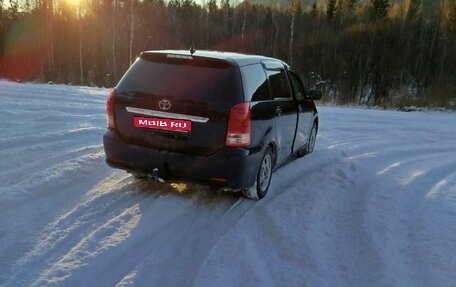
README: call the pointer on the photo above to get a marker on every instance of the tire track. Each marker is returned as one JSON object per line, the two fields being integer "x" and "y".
{"x": 201, "y": 218}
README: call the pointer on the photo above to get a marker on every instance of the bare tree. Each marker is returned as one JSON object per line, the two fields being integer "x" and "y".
{"x": 132, "y": 15}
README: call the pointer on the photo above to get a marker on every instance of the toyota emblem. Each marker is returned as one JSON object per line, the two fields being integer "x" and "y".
{"x": 164, "y": 104}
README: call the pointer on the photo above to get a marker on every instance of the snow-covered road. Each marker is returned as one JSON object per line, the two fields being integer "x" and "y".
{"x": 374, "y": 205}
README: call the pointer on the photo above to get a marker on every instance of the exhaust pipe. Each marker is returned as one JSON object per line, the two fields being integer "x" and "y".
{"x": 154, "y": 176}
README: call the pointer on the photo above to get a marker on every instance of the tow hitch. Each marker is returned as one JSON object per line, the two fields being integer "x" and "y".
{"x": 154, "y": 176}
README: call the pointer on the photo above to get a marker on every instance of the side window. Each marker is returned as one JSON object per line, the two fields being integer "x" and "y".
{"x": 298, "y": 89}
{"x": 279, "y": 84}
{"x": 255, "y": 83}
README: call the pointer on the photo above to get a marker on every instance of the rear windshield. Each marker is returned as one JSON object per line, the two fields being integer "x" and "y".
{"x": 200, "y": 80}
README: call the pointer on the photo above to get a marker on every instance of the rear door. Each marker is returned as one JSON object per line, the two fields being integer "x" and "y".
{"x": 285, "y": 108}
{"x": 177, "y": 103}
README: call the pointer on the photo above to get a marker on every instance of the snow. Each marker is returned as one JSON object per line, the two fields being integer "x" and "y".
{"x": 374, "y": 205}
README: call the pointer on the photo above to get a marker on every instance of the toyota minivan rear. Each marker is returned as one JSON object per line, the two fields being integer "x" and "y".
{"x": 183, "y": 116}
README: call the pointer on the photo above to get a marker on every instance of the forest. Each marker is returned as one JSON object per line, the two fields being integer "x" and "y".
{"x": 374, "y": 52}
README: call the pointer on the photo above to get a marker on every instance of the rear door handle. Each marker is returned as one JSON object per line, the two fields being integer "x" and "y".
{"x": 278, "y": 110}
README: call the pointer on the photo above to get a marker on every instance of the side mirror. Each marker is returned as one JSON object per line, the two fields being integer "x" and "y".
{"x": 314, "y": 95}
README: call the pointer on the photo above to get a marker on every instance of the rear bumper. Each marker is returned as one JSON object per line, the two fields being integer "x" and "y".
{"x": 233, "y": 168}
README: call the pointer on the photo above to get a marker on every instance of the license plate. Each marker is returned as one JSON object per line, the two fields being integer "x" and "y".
{"x": 163, "y": 124}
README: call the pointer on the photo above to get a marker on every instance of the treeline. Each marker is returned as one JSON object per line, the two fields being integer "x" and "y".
{"x": 364, "y": 52}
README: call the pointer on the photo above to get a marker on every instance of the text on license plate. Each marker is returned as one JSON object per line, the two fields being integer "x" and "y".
{"x": 163, "y": 124}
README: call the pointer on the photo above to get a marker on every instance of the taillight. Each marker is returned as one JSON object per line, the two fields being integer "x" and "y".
{"x": 110, "y": 109}
{"x": 239, "y": 126}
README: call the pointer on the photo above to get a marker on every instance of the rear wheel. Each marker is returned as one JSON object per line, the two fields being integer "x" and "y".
{"x": 263, "y": 178}
{"x": 310, "y": 143}
{"x": 312, "y": 139}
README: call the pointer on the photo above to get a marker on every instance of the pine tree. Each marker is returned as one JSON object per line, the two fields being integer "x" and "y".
{"x": 451, "y": 22}
{"x": 379, "y": 9}
{"x": 346, "y": 7}
{"x": 413, "y": 10}
{"x": 331, "y": 9}
{"x": 313, "y": 11}
{"x": 212, "y": 7}
{"x": 351, "y": 5}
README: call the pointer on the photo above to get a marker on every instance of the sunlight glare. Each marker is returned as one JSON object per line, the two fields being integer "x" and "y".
{"x": 73, "y": 3}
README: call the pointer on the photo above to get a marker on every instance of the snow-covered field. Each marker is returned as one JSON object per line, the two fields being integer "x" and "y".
{"x": 374, "y": 205}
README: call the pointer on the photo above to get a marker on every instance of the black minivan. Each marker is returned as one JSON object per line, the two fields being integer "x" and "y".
{"x": 221, "y": 119}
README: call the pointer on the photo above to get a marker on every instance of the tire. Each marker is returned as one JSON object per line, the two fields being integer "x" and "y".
{"x": 263, "y": 177}
{"x": 312, "y": 139}
{"x": 310, "y": 142}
